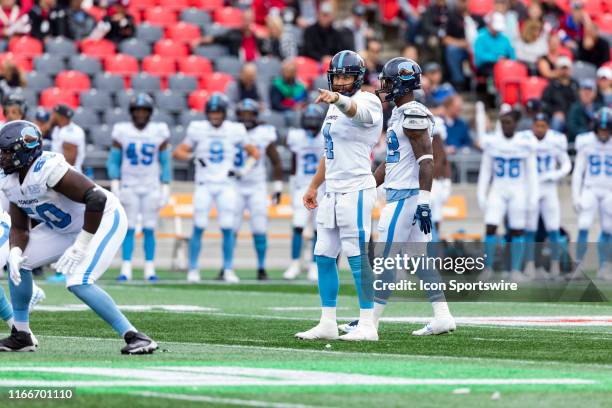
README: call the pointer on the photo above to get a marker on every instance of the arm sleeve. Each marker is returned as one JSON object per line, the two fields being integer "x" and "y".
{"x": 565, "y": 165}
{"x": 57, "y": 173}
{"x": 369, "y": 111}
{"x": 191, "y": 135}
{"x": 578, "y": 176}
{"x": 484, "y": 177}
{"x": 533, "y": 183}
{"x": 165, "y": 162}
{"x": 113, "y": 163}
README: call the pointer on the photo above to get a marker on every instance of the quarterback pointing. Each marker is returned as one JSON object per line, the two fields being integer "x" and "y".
{"x": 350, "y": 130}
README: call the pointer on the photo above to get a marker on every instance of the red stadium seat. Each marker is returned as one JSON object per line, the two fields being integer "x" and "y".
{"x": 506, "y": 70}
{"x": 195, "y": 65}
{"x": 563, "y": 5}
{"x": 121, "y": 64}
{"x": 26, "y": 46}
{"x": 21, "y": 61}
{"x": 604, "y": 22}
{"x": 184, "y": 32}
{"x": 606, "y": 6}
{"x": 97, "y": 48}
{"x": 228, "y": 17}
{"x": 593, "y": 7}
{"x": 480, "y": 7}
{"x": 160, "y": 16}
{"x": 143, "y": 4}
{"x": 197, "y": 99}
{"x": 325, "y": 63}
{"x": 216, "y": 82}
{"x": 157, "y": 65}
{"x": 532, "y": 87}
{"x": 97, "y": 12}
{"x": 54, "y": 96}
{"x": 307, "y": 69}
{"x": 390, "y": 10}
{"x": 171, "y": 48}
{"x": 72, "y": 81}
{"x": 207, "y": 5}
{"x": 175, "y": 4}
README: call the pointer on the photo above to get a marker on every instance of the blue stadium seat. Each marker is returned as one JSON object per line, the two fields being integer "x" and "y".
{"x": 61, "y": 46}
{"x": 38, "y": 81}
{"x": 268, "y": 67}
{"x": 116, "y": 115}
{"x": 87, "y": 65}
{"x": 170, "y": 101}
{"x": 196, "y": 16}
{"x": 165, "y": 117}
{"x": 182, "y": 83}
{"x": 145, "y": 82}
{"x": 49, "y": 64}
{"x": 177, "y": 134}
{"x": 98, "y": 100}
{"x": 86, "y": 118}
{"x": 583, "y": 70}
{"x": 122, "y": 99}
{"x": 108, "y": 82}
{"x": 100, "y": 136}
{"x": 275, "y": 119}
{"x": 228, "y": 64}
{"x": 135, "y": 47}
{"x": 30, "y": 95}
{"x": 189, "y": 115}
{"x": 212, "y": 51}
{"x": 149, "y": 33}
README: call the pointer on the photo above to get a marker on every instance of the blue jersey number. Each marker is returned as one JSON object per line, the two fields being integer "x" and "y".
{"x": 310, "y": 163}
{"x": 393, "y": 156}
{"x": 239, "y": 159}
{"x": 50, "y": 215}
{"x": 596, "y": 163}
{"x": 216, "y": 152}
{"x": 509, "y": 167}
{"x": 544, "y": 163}
{"x": 144, "y": 157}
{"x": 329, "y": 144}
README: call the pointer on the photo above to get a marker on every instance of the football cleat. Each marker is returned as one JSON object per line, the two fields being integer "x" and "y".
{"x": 152, "y": 279}
{"x": 348, "y": 327}
{"x": 313, "y": 272}
{"x": 365, "y": 331}
{"x": 126, "y": 272}
{"x": 18, "y": 341}
{"x": 437, "y": 326}
{"x": 555, "y": 270}
{"x": 38, "y": 295}
{"x": 293, "y": 271}
{"x": 149, "y": 272}
{"x": 230, "y": 276}
{"x": 138, "y": 343}
{"x": 34, "y": 339}
{"x": 326, "y": 329}
{"x": 262, "y": 275}
{"x": 605, "y": 272}
{"x": 56, "y": 278}
{"x": 193, "y": 276}
{"x": 530, "y": 270}
{"x": 519, "y": 277}
{"x": 485, "y": 275}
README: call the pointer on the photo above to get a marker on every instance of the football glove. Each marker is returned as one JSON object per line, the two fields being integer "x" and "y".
{"x": 276, "y": 195}
{"x": 15, "y": 260}
{"x": 423, "y": 216}
{"x": 73, "y": 256}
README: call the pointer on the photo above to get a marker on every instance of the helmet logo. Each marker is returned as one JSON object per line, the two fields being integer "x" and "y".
{"x": 30, "y": 137}
{"x": 405, "y": 71}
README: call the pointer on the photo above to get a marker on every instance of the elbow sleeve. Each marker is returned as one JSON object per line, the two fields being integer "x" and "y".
{"x": 95, "y": 200}
{"x": 165, "y": 162}
{"x": 113, "y": 163}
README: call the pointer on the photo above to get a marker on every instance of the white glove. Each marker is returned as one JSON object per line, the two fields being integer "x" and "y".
{"x": 74, "y": 255}
{"x": 482, "y": 203}
{"x": 115, "y": 187}
{"x": 15, "y": 260}
{"x": 164, "y": 196}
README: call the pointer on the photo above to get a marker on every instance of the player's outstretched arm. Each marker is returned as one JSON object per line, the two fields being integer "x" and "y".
{"x": 565, "y": 166}
{"x": 19, "y": 236}
{"x": 484, "y": 179}
{"x": 310, "y": 198}
{"x": 578, "y": 178}
{"x": 183, "y": 152}
{"x": 533, "y": 184}
{"x": 423, "y": 153}
{"x": 379, "y": 173}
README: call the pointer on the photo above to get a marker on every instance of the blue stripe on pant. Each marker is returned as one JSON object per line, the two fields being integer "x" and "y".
{"x": 102, "y": 247}
{"x": 359, "y": 264}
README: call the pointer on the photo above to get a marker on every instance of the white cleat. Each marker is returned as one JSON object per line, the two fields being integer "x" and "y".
{"x": 348, "y": 327}
{"x": 326, "y": 329}
{"x": 437, "y": 326}
{"x": 530, "y": 271}
{"x": 365, "y": 331}
{"x": 313, "y": 272}
{"x": 193, "y": 276}
{"x": 230, "y": 276}
{"x": 34, "y": 339}
{"x": 542, "y": 275}
{"x": 605, "y": 272}
{"x": 149, "y": 272}
{"x": 126, "y": 272}
{"x": 293, "y": 271}
{"x": 485, "y": 275}
{"x": 38, "y": 295}
{"x": 518, "y": 277}
{"x": 555, "y": 270}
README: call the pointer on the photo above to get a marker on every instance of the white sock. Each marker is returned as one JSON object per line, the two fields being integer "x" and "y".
{"x": 328, "y": 313}
{"x": 149, "y": 269}
{"x": 440, "y": 309}
{"x": 379, "y": 308}
{"x": 366, "y": 315}
{"x": 10, "y": 322}
{"x": 22, "y": 326}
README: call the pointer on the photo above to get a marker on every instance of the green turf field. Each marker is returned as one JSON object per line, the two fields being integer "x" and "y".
{"x": 226, "y": 345}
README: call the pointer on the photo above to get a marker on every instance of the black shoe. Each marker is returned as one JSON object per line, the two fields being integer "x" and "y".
{"x": 220, "y": 277}
{"x": 138, "y": 343}
{"x": 17, "y": 341}
{"x": 261, "y": 274}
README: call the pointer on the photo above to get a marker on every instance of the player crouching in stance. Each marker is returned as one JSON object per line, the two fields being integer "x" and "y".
{"x": 306, "y": 145}
{"x": 81, "y": 226}
{"x": 138, "y": 161}
{"x": 553, "y": 164}
{"x": 351, "y": 129}
{"x": 252, "y": 192}
{"x": 212, "y": 143}
{"x": 507, "y": 185}
{"x": 592, "y": 189}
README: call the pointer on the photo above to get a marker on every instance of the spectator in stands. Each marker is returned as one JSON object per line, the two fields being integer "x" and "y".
{"x": 560, "y": 94}
{"x": 262, "y": 9}
{"x": 322, "y": 39}
{"x": 77, "y": 24}
{"x": 355, "y": 30}
{"x": 411, "y": 18}
{"x": 581, "y": 113}
{"x": 246, "y": 86}
{"x": 458, "y": 131}
{"x": 573, "y": 25}
{"x": 14, "y": 20}
{"x": 533, "y": 106}
{"x": 491, "y": 45}
{"x": 552, "y": 13}
{"x": 439, "y": 90}
{"x": 533, "y": 41}
{"x": 456, "y": 45}
{"x": 432, "y": 29}
{"x": 11, "y": 77}
{"x": 411, "y": 52}
{"x": 519, "y": 8}
{"x": 44, "y": 19}
{"x": 119, "y": 21}
{"x": 41, "y": 118}
{"x": 374, "y": 64}
{"x": 604, "y": 86}
{"x": 278, "y": 43}
{"x": 287, "y": 92}
{"x": 547, "y": 63}
{"x": 593, "y": 48}
{"x": 511, "y": 29}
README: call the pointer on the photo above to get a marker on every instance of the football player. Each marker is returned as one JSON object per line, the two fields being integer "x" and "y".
{"x": 592, "y": 189}
{"x": 441, "y": 184}
{"x": 306, "y": 145}
{"x": 80, "y": 225}
{"x": 252, "y": 184}
{"x": 553, "y": 164}
{"x": 140, "y": 171}
{"x": 212, "y": 143}
{"x": 350, "y": 130}
{"x": 67, "y": 138}
{"x": 507, "y": 185}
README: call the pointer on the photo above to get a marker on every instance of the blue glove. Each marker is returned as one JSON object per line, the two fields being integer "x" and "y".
{"x": 423, "y": 216}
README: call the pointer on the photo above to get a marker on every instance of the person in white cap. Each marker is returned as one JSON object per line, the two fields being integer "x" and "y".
{"x": 604, "y": 85}
{"x": 560, "y": 93}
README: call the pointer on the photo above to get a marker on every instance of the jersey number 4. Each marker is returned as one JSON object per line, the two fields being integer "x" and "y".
{"x": 50, "y": 215}
{"x": 329, "y": 144}
{"x": 144, "y": 157}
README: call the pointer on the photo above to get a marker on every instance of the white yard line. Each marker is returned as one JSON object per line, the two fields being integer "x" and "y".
{"x": 216, "y": 400}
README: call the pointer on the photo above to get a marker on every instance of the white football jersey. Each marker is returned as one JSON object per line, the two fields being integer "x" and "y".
{"x": 598, "y": 160}
{"x": 41, "y": 202}
{"x": 261, "y": 137}
{"x": 214, "y": 149}
{"x": 509, "y": 158}
{"x": 348, "y": 146}
{"x": 140, "y": 152}
{"x": 73, "y": 134}
{"x": 549, "y": 151}
{"x": 440, "y": 128}
{"x": 401, "y": 169}
{"x": 308, "y": 151}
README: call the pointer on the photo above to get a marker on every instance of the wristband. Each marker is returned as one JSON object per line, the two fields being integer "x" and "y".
{"x": 424, "y": 197}
{"x": 15, "y": 251}
{"x": 343, "y": 103}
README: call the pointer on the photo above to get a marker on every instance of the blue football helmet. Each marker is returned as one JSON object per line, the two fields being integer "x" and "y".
{"x": 141, "y": 101}
{"x": 603, "y": 119}
{"x": 312, "y": 118}
{"x": 216, "y": 103}
{"x": 399, "y": 77}
{"x": 247, "y": 112}
{"x": 346, "y": 63}
{"x": 20, "y": 145}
